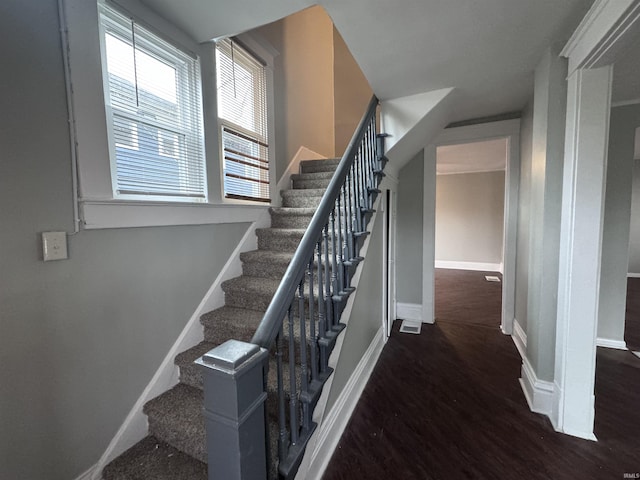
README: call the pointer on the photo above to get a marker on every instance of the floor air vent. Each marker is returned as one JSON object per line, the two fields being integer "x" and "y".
{"x": 411, "y": 326}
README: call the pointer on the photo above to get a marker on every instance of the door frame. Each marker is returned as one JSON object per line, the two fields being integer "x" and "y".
{"x": 510, "y": 130}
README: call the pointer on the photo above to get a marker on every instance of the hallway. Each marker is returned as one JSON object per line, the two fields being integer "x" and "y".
{"x": 447, "y": 405}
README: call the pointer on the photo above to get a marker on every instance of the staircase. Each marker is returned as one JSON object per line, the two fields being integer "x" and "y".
{"x": 176, "y": 446}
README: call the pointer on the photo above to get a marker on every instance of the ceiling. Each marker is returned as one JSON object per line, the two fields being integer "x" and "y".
{"x": 487, "y": 156}
{"x": 486, "y": 49}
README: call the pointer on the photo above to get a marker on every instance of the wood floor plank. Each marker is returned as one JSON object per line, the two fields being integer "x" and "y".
{"x": 447, "y": 404}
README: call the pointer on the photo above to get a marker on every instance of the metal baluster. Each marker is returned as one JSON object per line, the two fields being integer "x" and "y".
{"x": 282, "y": 423}
{"x": 334, "y": 267}
{"x": 327, "y": 281}
{"x": 312, "y": 321}
{"x": 347, "y": 235}
{"x": 322, "y": 321}
{"x": 304, "y": 380}
{"x": 293, "y": 390}
{"x": 358, "y": 192}
{"x": 350, "y": 186}
{"x": 341, "y": 285}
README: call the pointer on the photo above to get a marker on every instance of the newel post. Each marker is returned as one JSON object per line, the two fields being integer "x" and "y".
{"x": 234, "y": 396}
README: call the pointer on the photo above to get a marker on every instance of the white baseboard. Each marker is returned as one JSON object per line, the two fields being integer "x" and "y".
{"x": 89, "y": 474}
{"x": 134, "y": 427}
{"x": 476, "y": 266}
{"x": 409, "y": 311}
{"x": 609, "y": 343}
{"x": 284, "y": 183}
{"x": 519, "y": 337}
{"x": 539, "y": 393}
{"x": 336, "y": 420}
{"x": 633, "y": 275}
{"x": 637, "y": 354}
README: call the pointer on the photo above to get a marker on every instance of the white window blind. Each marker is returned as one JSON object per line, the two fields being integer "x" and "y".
{"x": 154, "y": 112}
{"x": 242, "y": 112}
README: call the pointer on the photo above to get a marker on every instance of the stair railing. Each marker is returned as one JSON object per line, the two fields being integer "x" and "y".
{"x": 308, "y": 304}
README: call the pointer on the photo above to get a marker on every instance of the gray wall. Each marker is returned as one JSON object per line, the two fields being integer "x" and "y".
{"x": 617, "y": 215}
{"x": 545, "y": 197}
{"x": 80, "y": 338}
{"x": 470, "y": 217}
{"x": 522, "y": 248}
{"x": 634, "y": 234}
{"x": 366, "y": 316}
{"x": 409, "y": 232}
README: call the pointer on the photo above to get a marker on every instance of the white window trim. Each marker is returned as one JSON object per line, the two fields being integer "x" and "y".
{"x": 97, "y": 205}
{"x": 259, "y": 47}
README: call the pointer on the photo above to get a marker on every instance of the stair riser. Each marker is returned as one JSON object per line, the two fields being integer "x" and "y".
{"x": 311, "y": 168}
{"x": 300, "y": 201}
{"x": 278, "y": 243}
{"x": 316, "y": 183}
{"x": 190, "y": 442}
{"x": 290, "y": 221}
{"x": 252, "y": 301}
{"x": 264, "y": 270}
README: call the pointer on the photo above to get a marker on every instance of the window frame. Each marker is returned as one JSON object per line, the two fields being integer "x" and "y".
{"x": 188, "y": 83}
{"x": 94, "y": 194}
{"x": 265, "y": 54}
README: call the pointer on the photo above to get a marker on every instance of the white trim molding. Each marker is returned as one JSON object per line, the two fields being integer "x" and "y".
{"x": 610, "y": 343}
{"x": 475, "y": 266}
{"x": 92, "y": 474}
{"x": 519, "y": 337}
{"x": 633, "y": 275}
{"x": 336, "y": 420}
{"x": 539, "y": 393}
{"x": 409, "y": 311}
{"x": 607, "y": 28}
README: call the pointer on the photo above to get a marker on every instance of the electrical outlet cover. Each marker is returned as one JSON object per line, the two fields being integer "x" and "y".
{"x": 54, "y": 246}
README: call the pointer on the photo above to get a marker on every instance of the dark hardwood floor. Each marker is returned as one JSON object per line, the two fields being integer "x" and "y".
{"x": 447, "y": 404}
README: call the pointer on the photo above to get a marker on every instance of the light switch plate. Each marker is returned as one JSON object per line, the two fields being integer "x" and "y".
{"x": 54, "y": 246}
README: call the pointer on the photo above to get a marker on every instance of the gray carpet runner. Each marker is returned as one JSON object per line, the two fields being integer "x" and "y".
{"x": 175, "y": 447}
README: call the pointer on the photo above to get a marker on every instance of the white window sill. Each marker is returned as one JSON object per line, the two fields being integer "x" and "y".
{"x": 98, "y": 214}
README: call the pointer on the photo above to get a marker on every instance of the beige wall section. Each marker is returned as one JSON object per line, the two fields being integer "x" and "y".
{"x": 352, "y": 93}
{"x": 320, "y": 91}
{"x": 470, "y": 217}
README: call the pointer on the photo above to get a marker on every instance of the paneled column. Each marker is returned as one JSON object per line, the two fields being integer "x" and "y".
{"x": 588, "y": 109}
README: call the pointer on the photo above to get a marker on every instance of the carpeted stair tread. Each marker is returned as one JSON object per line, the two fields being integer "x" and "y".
{"x": 324, "y": 165}
{"x": 153, "y": 459}
{"x": 291, "y": 217}
{"x": 176, "y": 418}
{"x": 280, "y": 239}
{"x": 228, "y": 322}
{"x": 302, "y": 198}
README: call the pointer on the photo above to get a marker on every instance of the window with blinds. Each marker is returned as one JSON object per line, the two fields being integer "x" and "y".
{"x": 242, "y": 112}
{"x": 154, "y": 112}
